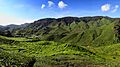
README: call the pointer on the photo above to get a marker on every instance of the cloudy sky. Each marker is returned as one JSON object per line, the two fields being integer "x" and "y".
{"x": 23, "y": 11}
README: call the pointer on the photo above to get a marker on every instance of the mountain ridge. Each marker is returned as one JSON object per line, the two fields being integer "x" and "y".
{"x": 59, "y": 18}
{"x": 83, "y": 30}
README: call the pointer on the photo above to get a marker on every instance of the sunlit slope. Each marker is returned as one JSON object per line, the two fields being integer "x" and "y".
{"x": 50, "y": 52}
{"x": 97, "y": 33}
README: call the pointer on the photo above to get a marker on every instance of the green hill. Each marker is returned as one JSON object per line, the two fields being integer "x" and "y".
{"x": 86, "y": 31}
{"x": 62, "y": 42}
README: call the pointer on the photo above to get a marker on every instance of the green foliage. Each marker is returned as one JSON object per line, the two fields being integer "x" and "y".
{"x": 50, "y": 53}
{"x": 43, "y": 52}
{"x": 10, "y": 59}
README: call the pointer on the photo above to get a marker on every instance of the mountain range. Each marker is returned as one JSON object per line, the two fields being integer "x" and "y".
{"x": 96, "y": 30}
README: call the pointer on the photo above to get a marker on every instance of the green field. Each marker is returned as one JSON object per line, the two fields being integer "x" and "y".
{"x": 22, "y": 52}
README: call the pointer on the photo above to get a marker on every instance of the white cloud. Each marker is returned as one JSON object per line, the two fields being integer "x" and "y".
{"x": 105, "y": 7}
{"x": 62, "y": 5}
{"x": 50, "y": 3}
{"x": 43, "y": 6}
{"x": 115, "y": 8}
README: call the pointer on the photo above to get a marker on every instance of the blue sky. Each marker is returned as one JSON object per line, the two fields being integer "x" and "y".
{"x": 23, "y": 11}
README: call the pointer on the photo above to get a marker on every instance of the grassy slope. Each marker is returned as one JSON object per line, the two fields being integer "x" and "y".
{"x": 111, "y": 53}
{"x": 94, "y": 33}
{"x": 50, "y": 53}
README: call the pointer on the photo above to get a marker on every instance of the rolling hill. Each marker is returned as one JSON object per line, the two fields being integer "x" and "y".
{"x": 63, "y": 42}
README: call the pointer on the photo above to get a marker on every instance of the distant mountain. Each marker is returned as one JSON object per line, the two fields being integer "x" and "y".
{"x": 13, "y": 26}
{"x": 8, "y": 30}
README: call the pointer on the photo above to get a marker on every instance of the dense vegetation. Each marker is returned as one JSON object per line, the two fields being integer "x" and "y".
{"x": 62, "y": 42}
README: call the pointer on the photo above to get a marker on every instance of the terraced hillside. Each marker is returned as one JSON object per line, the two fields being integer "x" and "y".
{"x": 50, "y": 53}
{"x": 63, "y": 42}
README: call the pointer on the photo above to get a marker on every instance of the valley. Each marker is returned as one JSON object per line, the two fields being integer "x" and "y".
{"x": 62, "y": 42}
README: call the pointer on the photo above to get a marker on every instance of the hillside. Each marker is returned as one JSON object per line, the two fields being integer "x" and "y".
{"x": 87, "y": 31}
{"x": 49, "y": 54}
{"x": 62, "y": 42}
